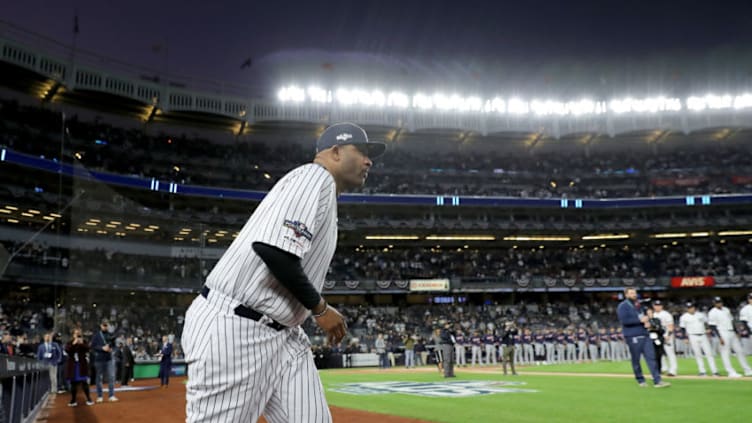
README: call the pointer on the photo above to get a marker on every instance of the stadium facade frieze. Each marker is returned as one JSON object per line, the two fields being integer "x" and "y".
{"x": 168, "y": 95}
{"x": 9, "y": 156}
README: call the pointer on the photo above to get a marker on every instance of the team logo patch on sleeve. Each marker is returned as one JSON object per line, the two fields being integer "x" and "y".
{"x": 298, "y": 228}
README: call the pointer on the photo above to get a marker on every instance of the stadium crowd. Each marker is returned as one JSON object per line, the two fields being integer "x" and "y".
{"x": 713, "y": 169}
{"x": 708, "y": 258}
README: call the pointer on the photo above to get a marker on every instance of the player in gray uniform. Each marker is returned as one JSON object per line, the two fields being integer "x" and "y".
{"x": 603, "y": 336}
{"x": 613, "y": 345}
{"x": 246, "y": 352}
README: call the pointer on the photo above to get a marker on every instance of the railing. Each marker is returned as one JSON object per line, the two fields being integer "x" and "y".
{"x": 25, "y": 387}
{"x": 29, "y": 161}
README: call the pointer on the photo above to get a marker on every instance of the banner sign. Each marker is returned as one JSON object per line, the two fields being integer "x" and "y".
{"x": 429, "y": 285}
{"x": 692, "y": 282}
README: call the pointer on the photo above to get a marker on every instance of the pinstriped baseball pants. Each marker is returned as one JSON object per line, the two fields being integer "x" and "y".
{"x": 239, "y": 369}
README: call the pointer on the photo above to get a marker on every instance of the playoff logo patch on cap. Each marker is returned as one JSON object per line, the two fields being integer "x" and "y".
{"x": 344, "y": 137}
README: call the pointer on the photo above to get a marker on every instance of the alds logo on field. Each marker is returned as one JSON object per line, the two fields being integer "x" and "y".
{"x": 468, "y": 388}
{"x": 298, "y": 228}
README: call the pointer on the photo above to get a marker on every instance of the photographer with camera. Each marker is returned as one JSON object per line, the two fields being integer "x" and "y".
{"x": 669, "y": 348}
{"x": 656, "y": 332}
{"x": 77, "y": 367}
{"x": 102, "y": 343}
{"x": 634, "y": 323}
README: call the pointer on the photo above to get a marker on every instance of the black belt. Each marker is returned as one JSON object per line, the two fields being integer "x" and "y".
{"x": 247, "y": 312}
{"x": 697, "y": 334}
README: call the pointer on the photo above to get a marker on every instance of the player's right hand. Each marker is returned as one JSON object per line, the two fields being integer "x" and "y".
{"x": 333, "y": 324}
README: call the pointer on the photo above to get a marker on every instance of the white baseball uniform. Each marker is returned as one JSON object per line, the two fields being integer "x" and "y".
{"x": 694, "y": 325}
{"x": 722, "y": 320}
{"x": 745, "y": 315}
{"x": 239, "y": 368}
{"x": 667, "y": 321}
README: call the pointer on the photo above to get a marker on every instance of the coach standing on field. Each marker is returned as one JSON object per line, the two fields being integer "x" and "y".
{"x": 634, "y": 327}
{"x": 246, "y": 352}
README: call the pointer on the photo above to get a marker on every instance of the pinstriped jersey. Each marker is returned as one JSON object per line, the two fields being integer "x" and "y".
{"x": 298, "y": 215}
{"x": 746, "y": 314}
{"x": 721, "y": 318}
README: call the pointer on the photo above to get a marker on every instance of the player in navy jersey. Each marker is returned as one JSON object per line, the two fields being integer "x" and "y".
{"x": 459, "y": 349}
{"x": 489, "y": 341}
{"x": 593, "y": 342}
{"x": 475, "y": 342}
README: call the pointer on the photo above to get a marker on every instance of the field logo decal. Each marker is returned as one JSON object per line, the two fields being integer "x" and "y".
{"x": 468, "y": 388}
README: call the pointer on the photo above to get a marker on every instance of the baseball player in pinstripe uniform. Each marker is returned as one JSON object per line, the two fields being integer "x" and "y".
{"x": 745, "y": 317}
{"x": 693, "y": 324}
{"x": 246, "y": 352}
{"x": 721, "y": 322}
{"x": 667, "y": 320}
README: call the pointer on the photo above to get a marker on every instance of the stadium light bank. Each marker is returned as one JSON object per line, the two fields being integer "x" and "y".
{"x": 513, "y": 106}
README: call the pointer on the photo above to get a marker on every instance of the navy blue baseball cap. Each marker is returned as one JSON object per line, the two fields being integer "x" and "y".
{"x": 349, "y": 133}
{"x": 657, "y": 302}
{"x": 690, "y": 304}
{"x": 717, "y": 300}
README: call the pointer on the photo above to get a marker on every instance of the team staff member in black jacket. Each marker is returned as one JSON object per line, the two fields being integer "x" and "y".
{"x": 507, "y": 342}
{"x": 446, "y": 343}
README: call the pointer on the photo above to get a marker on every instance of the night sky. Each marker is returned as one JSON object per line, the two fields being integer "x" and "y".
{"x": 341, "y": 40}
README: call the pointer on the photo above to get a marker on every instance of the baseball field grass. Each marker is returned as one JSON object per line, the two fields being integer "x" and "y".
{"x": 587, "y": 392}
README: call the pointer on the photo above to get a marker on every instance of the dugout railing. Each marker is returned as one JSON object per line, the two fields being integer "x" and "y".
{"x": 25, "y": 388}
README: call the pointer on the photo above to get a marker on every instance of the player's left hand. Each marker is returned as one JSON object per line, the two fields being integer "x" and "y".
{"x": 334, "y": 324}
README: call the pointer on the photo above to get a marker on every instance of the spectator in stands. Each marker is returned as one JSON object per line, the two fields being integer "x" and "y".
{"x": 6, "y": 345}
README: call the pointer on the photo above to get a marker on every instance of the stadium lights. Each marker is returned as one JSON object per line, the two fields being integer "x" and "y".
{"x": 516, "y": 106}
{"x": 461, "y": 238}
{"x": 392, "y": 237}
{"x": 11, "y": 208}
{"x": 699, "y": 234}
{"x": 5, "y": 211}
{"x": 605, "y": 236}
{"x": 734, "y": 233}
{"x": 669, "y": 235}
{"x": 537, "y": 238}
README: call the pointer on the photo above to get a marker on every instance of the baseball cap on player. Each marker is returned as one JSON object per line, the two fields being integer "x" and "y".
{"x": 349, "y": 133}
{"x": 690, "y": 304}
{"x": 657, "y": 302}
{"x": 717, "y": 300}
